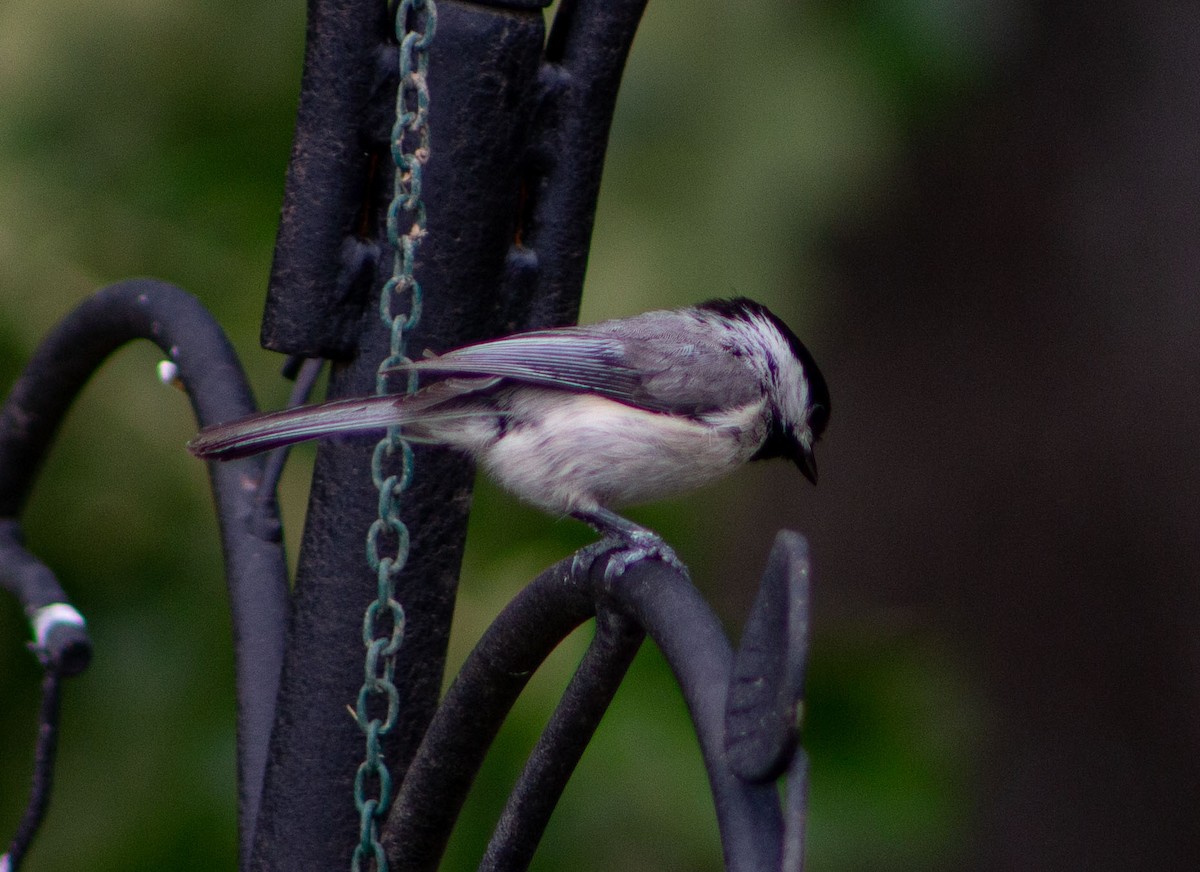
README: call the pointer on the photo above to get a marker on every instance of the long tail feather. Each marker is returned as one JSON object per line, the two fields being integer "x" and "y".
{"x": 275, "y": 429}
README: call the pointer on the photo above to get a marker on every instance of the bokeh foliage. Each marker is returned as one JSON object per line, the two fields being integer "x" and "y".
{"x": 141, "y": 138}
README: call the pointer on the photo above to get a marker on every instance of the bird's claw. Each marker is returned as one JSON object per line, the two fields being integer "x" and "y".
{"x": 625, "y": 551}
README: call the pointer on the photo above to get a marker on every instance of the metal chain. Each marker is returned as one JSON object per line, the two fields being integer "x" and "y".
{"x": 392, "y": 462}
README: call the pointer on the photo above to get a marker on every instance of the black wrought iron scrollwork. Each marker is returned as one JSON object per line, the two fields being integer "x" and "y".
{"x": 520, "y": 152}
{"x": 249, "y": 525}
{"x": 745, "y": 718}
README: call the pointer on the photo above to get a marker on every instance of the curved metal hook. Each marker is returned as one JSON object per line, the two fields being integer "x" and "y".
{"x": 476, "y": 704}
{"x": 250, "y": 530}
{"x": 767, "y": 681}
{"x": 681, "y": 623}
{"x": 745, "y": 719}
{"x": 561, "y": 745}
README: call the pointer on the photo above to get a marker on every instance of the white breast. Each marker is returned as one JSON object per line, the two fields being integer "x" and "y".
{"x": 581, "y": 451}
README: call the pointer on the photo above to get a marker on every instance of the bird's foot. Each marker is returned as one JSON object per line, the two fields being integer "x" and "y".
{"x": 623, "y": 551}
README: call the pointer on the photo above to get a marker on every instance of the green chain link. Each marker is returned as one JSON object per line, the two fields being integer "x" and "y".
{"x": 416, "y": 21}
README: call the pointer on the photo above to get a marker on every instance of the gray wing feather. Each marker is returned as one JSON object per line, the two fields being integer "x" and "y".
{"x": 566, "y": 358}
{"x": 663, "y": 361}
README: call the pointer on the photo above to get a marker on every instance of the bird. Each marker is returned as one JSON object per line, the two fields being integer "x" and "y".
{"x": 583, "y": 420}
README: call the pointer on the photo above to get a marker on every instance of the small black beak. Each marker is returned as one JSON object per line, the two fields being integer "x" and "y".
{"x": 807, "y": 462}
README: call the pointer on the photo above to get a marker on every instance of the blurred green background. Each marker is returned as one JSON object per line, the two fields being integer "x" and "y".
{"x": 148, "y": 138}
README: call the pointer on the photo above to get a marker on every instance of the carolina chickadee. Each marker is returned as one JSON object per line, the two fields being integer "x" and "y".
{"x": 576, "y": 420}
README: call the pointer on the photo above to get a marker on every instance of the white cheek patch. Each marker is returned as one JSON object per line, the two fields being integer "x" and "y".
{"x": 791, "y": 387}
